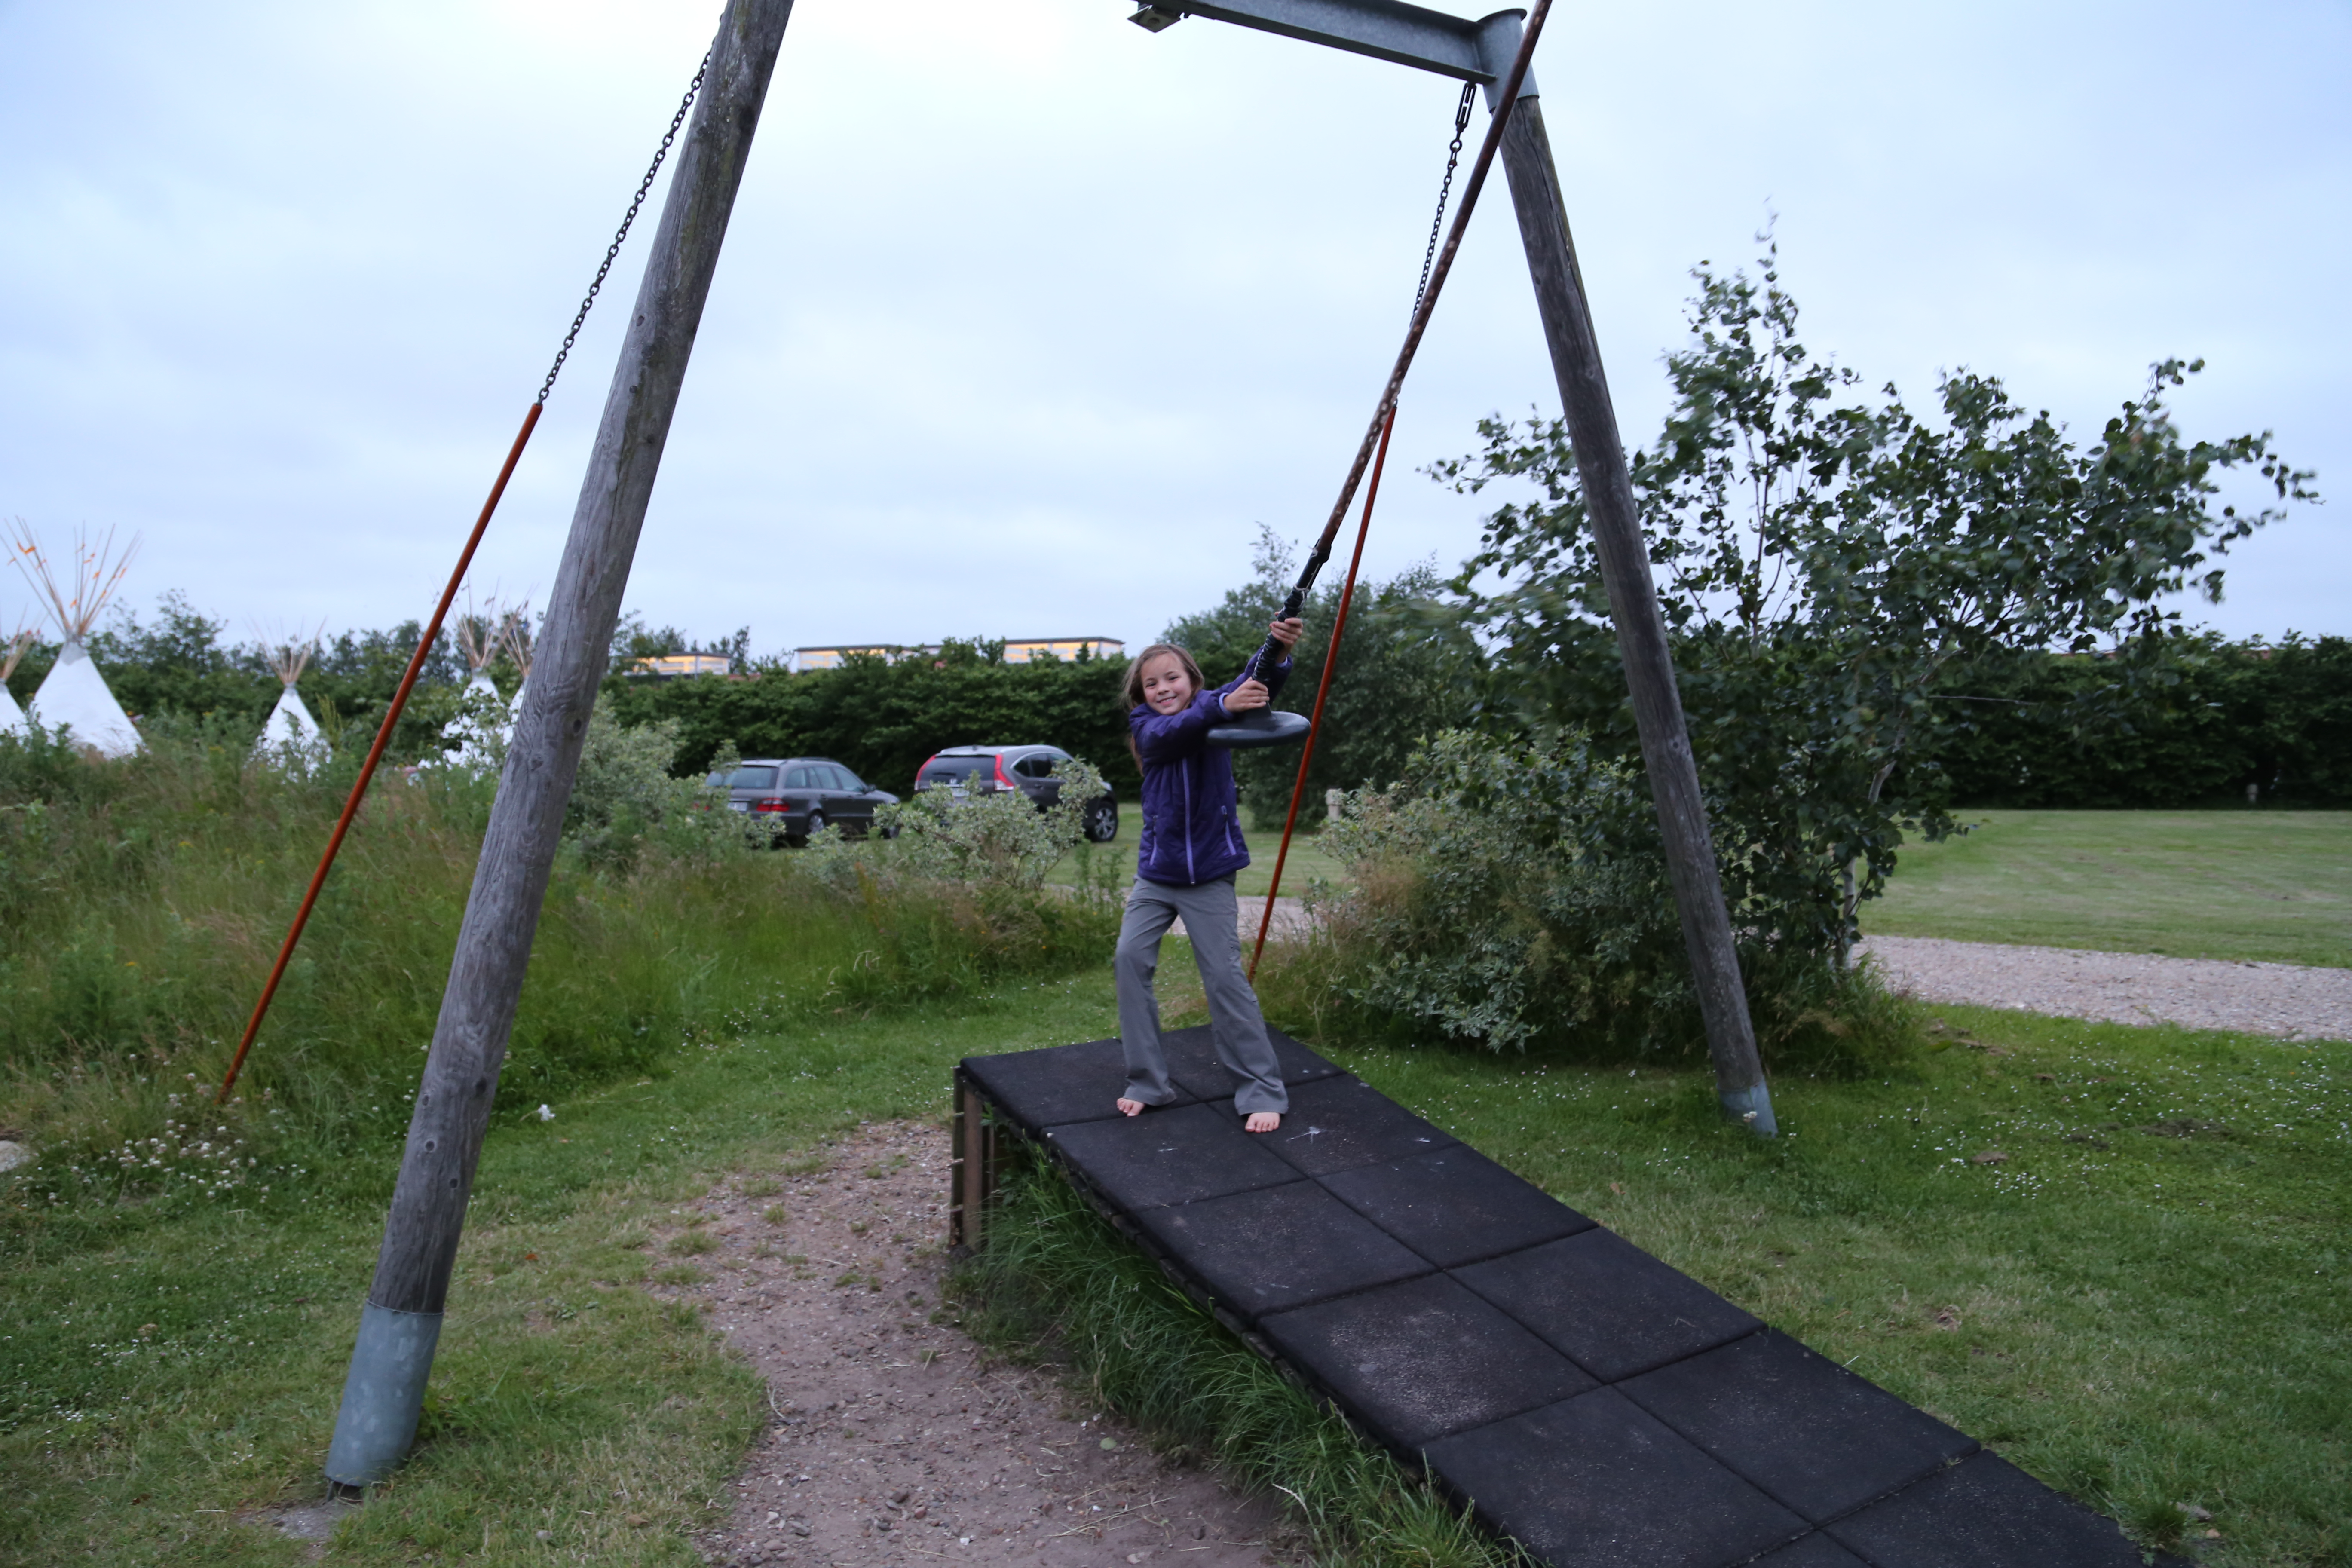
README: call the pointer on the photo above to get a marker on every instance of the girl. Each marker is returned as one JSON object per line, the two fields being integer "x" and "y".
{"x": 1192, "y": 847}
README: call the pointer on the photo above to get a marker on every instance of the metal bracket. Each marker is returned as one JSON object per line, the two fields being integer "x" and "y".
{"x": 1480, "y": 51}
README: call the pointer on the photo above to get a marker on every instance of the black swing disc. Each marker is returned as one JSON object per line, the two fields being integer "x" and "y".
{"x": 1260, "y": 727}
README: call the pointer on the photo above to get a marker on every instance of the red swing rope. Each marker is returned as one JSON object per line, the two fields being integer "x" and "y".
{"x": 1323, "y": 689}
{"x": 399, "y": 704}
{"x": 1384, "y": 424}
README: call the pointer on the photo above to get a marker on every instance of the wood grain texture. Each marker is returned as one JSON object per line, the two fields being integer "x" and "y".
{"x": 486, "y": 976}
{"x": 1632, "y": 596}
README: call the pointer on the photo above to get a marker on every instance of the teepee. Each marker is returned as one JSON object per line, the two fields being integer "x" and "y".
{"x": 477, "y": 737}
{"x": 514, "y": 635}
{"x": 290, "y": 737}
{"x": 12, "y": 718}
{"x": 74, "y": 698}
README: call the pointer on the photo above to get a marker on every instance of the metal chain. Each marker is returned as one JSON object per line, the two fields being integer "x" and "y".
{"x": 1445, "y": 190}
{"x": 614, "y": 249}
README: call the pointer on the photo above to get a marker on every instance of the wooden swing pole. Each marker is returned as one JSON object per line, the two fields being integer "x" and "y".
{"x": 1323, "y": 688}
{"x": 400, "y": 1324}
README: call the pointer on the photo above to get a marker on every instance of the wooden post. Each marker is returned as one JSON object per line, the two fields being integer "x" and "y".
{"x": 1633, "y": 606}
{"x": 971, "y": 1168}
{"x": 402, "y": 1320}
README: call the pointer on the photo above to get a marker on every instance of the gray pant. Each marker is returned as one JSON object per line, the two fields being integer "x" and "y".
{"x": 1238, "y": 1028}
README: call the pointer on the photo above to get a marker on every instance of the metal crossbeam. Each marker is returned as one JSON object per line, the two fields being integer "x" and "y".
{"x": 1415, "y": 36}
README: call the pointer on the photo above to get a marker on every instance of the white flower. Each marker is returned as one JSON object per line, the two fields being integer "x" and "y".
{"x": 547, "y": 1113}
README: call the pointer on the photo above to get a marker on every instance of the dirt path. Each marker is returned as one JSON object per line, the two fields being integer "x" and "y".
{"x": 893, "y": 1438}
{"x": 2299, "y": 1003}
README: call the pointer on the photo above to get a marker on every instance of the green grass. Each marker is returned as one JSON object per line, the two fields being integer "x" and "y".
{"x": 2146, "y": 1301}
{"x": 2145, "y": 1318}
{"x": 563, "y": 1397}
{"x": 2145, "y": 1304}
{"x": 1056, "y": 1279}
{"x": 2272, "y": 885}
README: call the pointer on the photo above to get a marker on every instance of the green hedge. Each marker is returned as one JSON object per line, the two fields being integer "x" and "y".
{"x": 2194, "y": 727}
{"x": 883, "y": 720}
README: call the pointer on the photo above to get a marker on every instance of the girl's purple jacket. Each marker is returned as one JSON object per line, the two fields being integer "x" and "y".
{"x": 1191, "y": 812}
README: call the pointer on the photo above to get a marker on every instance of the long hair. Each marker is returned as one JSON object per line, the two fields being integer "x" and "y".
{"x": 1132, "y": 687}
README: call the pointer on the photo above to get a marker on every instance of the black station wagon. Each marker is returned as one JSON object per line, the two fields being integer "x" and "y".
{"x": 801, "y": 794}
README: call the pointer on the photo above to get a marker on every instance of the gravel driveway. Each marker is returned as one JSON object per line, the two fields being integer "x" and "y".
{"x": 2284, "y": 999}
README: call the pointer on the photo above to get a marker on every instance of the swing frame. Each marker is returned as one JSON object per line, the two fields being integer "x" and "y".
{"x": 400, "y": 1324}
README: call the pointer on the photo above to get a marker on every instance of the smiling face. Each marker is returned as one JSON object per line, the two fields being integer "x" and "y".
{"x": 1167, "y": 685}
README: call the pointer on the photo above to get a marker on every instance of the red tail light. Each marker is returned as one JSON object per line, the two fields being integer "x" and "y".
{"x": 1002, "y": 782}
{"x": 772, "y": 806}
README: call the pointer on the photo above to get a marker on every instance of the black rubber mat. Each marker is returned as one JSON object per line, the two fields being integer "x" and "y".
{"x": 1609, "y": 1306}
{"x": 1423, "y": 1358}
{"x": 1169, "y": 1156}
{"x": 1592, "y": 1402}
{"x": 1598, "y": 1479}
{"x": 1985, "y": 1512}
{"x": 1339, "y": 1123}
{"x": 1814, "y": 1434}
{"x": 1192, "y": 1062}
{"x": 1455, "y": 1205}
{"x": 1814, "y": 1551}
{"x": 1259, "y": 1252}
{"x": 1037, "y": 1089}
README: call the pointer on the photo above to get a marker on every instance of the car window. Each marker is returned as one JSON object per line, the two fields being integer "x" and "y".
{"x": 843, "y": 779}
{"x": 954, "y": 770}
{"x": 749, "y": 778}
{"x": 797, "y": 778}
{"x": 1035, "y": 767}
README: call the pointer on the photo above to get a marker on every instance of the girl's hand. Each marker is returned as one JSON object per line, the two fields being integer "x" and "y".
{"x": 1286, "y": 633}
{"x": 1248, "y": 694}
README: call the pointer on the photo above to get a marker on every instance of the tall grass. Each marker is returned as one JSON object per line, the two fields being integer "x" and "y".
{"x": 143, "y": 901}
{"x": 1056, "y": 1278}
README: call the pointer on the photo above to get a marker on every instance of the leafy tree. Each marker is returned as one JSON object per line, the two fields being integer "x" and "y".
{"x": 177, "y": 663}
{"x": 1404, "y": 674}
{"x": 1833, "y": 569}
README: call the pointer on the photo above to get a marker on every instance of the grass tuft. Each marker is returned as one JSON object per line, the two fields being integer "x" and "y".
{"x": 1056, "y": 1279}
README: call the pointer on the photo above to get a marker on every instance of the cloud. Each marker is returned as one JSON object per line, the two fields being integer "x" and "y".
{"x": 1028, "y": 318}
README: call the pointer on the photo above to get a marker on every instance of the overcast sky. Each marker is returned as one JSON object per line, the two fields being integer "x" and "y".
{"x": 1028, "y": 318}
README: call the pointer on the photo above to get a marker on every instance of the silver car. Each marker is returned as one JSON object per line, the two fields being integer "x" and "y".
{"x": 966, "y": 771}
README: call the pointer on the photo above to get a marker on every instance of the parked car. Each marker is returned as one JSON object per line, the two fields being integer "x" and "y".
{"x": 966, "y": 771}
{"x": 801, "y": 794}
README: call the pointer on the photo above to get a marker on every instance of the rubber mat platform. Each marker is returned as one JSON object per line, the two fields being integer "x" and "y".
{"x": 1592, "y": 1404}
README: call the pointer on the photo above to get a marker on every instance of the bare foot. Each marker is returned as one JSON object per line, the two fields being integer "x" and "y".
{"x": 1130, "y": 1108}
{"x": 1262, "y": 1122}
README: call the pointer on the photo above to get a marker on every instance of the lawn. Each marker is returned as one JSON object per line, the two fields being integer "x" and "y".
{"x": 2143, "y": 1303}
{"x": 162, "y": 1376}
{"x": 2272, "y": 885}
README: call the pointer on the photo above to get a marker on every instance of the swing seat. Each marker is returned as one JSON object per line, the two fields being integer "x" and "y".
{"x": 1260, "y": 727}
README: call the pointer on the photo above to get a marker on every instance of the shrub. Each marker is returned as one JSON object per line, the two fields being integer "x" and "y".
{"x": 1517, "y": 898}
{"x": 883, "y": 719}
{"x": 2193, "y": 723}
{"x": 953, "y": 893}
{"x": 145, "y": 900}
